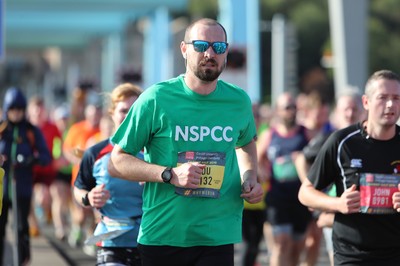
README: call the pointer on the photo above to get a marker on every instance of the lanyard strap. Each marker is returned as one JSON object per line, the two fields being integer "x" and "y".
{"x": 12, "y": 161}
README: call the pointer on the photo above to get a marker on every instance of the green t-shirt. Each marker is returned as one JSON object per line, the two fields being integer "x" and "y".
{"x": 169, "y": 118}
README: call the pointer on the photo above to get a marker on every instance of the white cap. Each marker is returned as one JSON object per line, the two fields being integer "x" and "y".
{"x": 61, "y": 112}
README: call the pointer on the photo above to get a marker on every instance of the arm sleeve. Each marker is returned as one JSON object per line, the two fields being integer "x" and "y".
{"x": 85, "y": 179}
{"x": 313, "y": 147}
{"x": 137, "y": 128}
{"x": 325, "y": 170}
{"x": 249, "y": 132}
{"x": 42, "y": 156}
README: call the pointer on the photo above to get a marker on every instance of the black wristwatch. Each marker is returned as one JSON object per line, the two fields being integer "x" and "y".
{"x": 85, "y": 200}
{"x": 167, "y": 175}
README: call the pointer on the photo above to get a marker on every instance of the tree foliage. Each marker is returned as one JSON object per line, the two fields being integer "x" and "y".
{"x": 203, "y": 8}
{"x": 311, "y": 20}
{"x": 384, "y": 35}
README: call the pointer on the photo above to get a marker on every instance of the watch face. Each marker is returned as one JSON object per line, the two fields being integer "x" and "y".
{"x": 166, "y": 175}
{"x": 85, "y": 200}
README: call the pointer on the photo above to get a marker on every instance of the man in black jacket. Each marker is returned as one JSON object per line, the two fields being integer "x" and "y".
{"x": 22, "y": 145}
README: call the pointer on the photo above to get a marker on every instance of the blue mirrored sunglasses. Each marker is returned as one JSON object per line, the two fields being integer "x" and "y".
{"x": 202, "y": 46}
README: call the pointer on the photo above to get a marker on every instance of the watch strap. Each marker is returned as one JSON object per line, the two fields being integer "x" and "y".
{"x": 85, "y": 200}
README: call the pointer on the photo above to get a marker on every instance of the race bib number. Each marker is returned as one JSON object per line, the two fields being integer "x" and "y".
{"x": 376, "y": 191}
{"x": 284, "y": 169}
{"x": 212, "y": 176}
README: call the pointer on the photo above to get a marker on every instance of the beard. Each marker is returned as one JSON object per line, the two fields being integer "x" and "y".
{"x": 207, "y": 74}
{"x": 290, "y": 122}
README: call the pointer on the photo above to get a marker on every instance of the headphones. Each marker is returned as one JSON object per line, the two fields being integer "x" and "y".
{"x": 364, "y": 132}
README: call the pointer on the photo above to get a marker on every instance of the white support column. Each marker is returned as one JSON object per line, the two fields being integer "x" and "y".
{"x": 72, "y": 78}
{"x": 225, "y": 17}
{"x": 241, "y": 21}
{"x": 157, "y": 48}
{"x": 253, "y": 51}
{"x": 348, "y": 21}
{"x": 278, "y": 57}
{"x": 110, "y": 61}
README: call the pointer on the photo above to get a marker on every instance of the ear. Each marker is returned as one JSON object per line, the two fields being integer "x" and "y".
{"x": 365, "y": 102}
{"x": 183, "y": 49}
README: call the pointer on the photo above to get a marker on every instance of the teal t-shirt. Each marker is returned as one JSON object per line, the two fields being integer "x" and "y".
{"x": 169, "y": 118}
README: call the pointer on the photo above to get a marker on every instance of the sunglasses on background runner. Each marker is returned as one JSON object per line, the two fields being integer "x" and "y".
{"x": 202, "y": 46}
{"x": 290, "y": 107}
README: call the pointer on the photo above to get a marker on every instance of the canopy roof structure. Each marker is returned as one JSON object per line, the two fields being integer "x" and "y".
{"x": 73, "y": 23}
